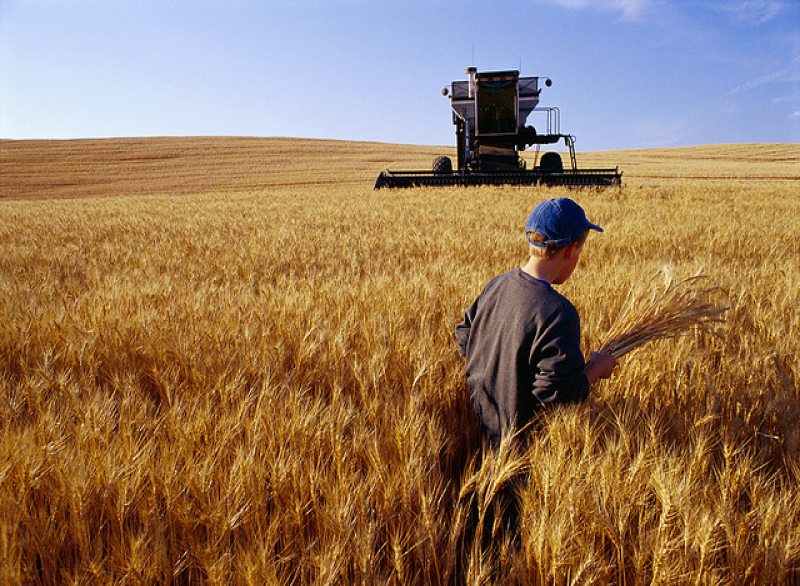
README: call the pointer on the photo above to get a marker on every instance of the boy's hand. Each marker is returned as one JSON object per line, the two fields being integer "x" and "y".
{"x": 600, "y": 365}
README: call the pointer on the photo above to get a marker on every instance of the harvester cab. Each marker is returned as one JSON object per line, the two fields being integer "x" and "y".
{"x": 490, "y": 113}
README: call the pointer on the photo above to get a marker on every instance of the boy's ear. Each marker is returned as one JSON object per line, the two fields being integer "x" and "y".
{"x": 571, "y": 249}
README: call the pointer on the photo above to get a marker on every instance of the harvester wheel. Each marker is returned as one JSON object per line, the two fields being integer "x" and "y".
{"x": 442, "y": 166}
{"x": 551, "y": 163}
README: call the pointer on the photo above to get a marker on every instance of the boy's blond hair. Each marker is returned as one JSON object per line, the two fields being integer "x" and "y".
{"x": 549, "y": 251}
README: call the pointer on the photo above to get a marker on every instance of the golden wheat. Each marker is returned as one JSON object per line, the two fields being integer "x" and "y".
{"x": 258, "y": 383}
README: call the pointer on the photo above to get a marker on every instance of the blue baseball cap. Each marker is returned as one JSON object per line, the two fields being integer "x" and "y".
{"x": 560, "y": 221}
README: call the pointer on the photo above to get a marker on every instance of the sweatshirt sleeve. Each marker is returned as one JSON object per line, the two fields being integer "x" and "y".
{"x": 559, "y": 363}
{"x": 464, "y": 328}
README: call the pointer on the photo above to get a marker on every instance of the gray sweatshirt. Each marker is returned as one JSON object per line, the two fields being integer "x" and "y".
{"x": 521, "y": 340}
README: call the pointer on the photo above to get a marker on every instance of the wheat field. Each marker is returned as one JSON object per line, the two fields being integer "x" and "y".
{"x": 230, "y": 361}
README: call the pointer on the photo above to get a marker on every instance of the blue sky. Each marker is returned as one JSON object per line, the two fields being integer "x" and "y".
{"x": 626, "y": 73}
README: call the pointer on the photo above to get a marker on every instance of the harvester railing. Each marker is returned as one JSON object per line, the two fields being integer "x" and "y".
{"x": 553, "y": 118}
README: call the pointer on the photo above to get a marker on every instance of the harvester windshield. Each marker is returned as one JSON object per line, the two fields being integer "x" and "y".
{"x": 497, "y": 105}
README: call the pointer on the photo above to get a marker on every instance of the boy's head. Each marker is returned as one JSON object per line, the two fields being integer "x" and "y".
{"x": 556, "y": 223}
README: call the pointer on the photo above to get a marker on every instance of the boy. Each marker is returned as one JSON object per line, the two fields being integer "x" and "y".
{"x": 521, "y": 338}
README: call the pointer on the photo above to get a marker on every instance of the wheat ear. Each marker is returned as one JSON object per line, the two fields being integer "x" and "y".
{"x": 670, "y": 313}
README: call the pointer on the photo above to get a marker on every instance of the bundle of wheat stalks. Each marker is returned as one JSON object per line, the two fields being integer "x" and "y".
{"x": 670, "y": 313}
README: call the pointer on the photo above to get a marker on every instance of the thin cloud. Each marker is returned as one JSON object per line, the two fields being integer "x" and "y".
{"x": 659, "y": 132}
{"x": 786, "y": 74}
{"x": 628, "y": 9}
{"x": 784, "y": 99}
{"x": 759, "y": 81}
{"x": 752, "y": 12}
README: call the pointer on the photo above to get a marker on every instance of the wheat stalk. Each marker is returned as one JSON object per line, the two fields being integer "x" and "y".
{"x": 670, "y": 313}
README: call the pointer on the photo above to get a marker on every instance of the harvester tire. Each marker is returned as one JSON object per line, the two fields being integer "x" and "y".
{"x": 551, "y": 163}
{"x": 442, "y": 166}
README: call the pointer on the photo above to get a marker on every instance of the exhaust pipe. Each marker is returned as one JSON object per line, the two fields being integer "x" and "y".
{"x": 471, "y": 71}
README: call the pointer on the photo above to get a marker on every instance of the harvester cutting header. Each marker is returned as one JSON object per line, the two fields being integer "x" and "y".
{"x": 490, "y": 113}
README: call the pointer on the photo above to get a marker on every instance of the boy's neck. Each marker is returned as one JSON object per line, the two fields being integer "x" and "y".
{"x": 539, "y": 268}
{"x": 553, "y": 270}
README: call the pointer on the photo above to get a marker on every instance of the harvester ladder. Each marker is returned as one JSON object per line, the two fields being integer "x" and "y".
{"x": 570, "y": 140}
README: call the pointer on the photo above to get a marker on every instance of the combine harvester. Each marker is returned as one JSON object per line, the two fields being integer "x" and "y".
{"x": 490, "y": 111}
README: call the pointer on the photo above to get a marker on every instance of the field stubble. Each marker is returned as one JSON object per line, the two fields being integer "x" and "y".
{"x": 260, "y": 384}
